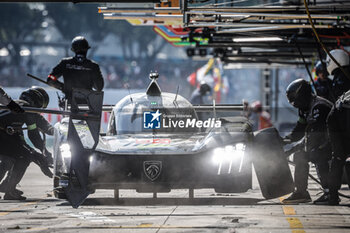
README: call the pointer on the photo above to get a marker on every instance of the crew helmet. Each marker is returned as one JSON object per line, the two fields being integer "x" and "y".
{"x": 42, "y": 91}
{"x": 319, "y": 68}
{"x": 342, "y": 58}
{"x": 204, "y": 88}
{"x": 36, "y": 97}
{"x": 80, "y": 45}
{"x": 299, "y": 93}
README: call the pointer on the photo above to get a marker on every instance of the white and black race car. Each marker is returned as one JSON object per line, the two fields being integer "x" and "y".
{"x": 155, "y": 142}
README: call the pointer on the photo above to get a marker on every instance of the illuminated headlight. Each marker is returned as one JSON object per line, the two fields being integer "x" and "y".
{"x": 218, "y": 155}
{"x": 228, "y": 153}
{"x": 65, "y": 150}
{"x": 240, "y": 146}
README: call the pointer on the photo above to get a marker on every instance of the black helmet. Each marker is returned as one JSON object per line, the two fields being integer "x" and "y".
{"x": 299, "y": 93}
{"x": 204, "y": 88}
{"x": 319, "y": 68}
{"x": 35, "y": 97}
{"x": 80, "y": 45}
{"x": 46, "y": 98}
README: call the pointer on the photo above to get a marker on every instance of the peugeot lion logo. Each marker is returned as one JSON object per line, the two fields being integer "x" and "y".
{"x": 152, "y": 169}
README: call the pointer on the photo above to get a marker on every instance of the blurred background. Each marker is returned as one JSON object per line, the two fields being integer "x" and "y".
{"x": 35, "y": 36}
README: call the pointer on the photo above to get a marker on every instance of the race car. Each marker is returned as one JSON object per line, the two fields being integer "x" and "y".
{"x": 155, "y": 142}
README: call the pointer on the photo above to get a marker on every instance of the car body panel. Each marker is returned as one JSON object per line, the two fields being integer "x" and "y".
{"x": 130, "y": 155}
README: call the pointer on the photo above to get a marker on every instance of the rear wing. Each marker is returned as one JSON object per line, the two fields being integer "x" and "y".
{"x": 197, "y": 108}
{"x": 109, "y": 108}
{"x": 218, "y": 107}
{"x": 82, "y": 107}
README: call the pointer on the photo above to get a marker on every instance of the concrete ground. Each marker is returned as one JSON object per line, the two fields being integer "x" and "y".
{"x": 171, "y": 212}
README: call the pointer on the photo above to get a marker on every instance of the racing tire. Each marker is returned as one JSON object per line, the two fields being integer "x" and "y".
{"x": 271, "y": 165}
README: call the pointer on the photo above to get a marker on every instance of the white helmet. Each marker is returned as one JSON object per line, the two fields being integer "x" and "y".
{"x": 342, "y": 58}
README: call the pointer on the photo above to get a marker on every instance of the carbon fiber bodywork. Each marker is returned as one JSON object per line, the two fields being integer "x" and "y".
{"x": 155, "y": 142}
{"x": 177, "y": 171}
{"x": 186, "y": 161}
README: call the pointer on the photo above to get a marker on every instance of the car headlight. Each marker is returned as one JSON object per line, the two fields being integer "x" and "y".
{"x": 228, "y": 153}
{"x": 65, "y": 150}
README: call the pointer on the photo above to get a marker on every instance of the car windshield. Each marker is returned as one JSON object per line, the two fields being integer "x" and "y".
{"x": 133, "y": 119}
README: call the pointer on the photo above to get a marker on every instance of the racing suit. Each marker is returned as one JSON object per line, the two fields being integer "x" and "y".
{"x": 77, "y": 72}
{"x": 338, "y": 123}
{"x": 315, "y": 147}
{"x": 196, "y": 98}
{"x": 340, "y": 83}
{"x": 264, "y": 120}
{"x": 16, "y": 149}
{"x": 323, "y": 87}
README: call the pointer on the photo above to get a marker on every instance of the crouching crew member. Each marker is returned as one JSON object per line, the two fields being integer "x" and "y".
{"x": 16, "y": 149}
{"x": 77, "y": 71}
{"x": 338, "y": 123}
{"x": 315, "y": 147}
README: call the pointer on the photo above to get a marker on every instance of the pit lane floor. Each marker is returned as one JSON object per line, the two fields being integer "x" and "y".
{"x": 170, "y": 212}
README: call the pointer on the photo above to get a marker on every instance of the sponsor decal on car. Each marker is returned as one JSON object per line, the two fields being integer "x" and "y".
{"x": 153, "y": 141}
{"x": 151, "y": 120}
{"x": 156, "y": 120}
{"x": 192, "y": 123}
